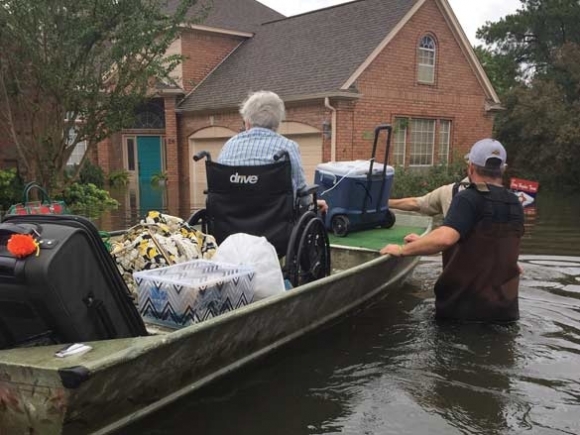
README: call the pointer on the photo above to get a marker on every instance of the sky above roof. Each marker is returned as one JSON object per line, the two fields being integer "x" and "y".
{"x": 471, "y": 14}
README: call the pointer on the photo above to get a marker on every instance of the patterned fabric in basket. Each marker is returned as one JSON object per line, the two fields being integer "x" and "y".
{"x": 159, "y": 240}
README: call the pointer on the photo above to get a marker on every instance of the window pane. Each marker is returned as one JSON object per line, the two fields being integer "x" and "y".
{"x": 426, "y": 74}
{"x": 399, "y": 143}
{"x": 422, "y": 140}
{"x": 77, "y": 154}
{"x": 444, "y": 139}
{"x": 130, "y": 154}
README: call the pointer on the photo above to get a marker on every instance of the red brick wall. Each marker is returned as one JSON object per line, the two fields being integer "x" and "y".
{"x": 389, "y": 87}
{"x": 171, "y": 154}
{"x": 204, "y": 52}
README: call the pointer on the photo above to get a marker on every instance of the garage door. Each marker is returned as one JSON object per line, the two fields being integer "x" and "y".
{"x": 310, "y": 151}
{"x": 197, "y": 173}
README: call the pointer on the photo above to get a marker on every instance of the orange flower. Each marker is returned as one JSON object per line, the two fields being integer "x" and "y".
{"x": 22, "y": 245}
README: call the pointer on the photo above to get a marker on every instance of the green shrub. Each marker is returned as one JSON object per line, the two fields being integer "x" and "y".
{"x": 10, "y": 188}
{"x": 92, "y": 174}
{"x": 87, "y": 199}
{"x": 118, "y": 178}
{"x": 419, "y": 181}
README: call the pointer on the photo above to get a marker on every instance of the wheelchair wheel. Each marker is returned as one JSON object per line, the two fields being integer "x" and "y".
{"x": 309, "y": 254}
{"x": 199, "y": 218}
{"x": 339, "y": 225}
{"x": 390, "y": 220}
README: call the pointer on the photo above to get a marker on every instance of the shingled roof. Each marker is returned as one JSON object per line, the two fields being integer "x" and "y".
{"x": 312, "y": 53}
{"x": 241, "y": 15}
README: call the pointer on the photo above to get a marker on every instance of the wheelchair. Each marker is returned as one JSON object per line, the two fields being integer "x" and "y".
{"x": 259, "y": 200}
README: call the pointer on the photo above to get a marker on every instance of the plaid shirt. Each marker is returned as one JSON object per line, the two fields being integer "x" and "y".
{"x": 257, "y": 146}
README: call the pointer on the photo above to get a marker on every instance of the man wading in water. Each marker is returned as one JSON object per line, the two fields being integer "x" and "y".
{"x": 480, "y": 240}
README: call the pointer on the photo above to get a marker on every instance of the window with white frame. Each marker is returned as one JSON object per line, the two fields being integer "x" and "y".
{"x": 426, "y": 60}
{"x": 421, "y": 142}
{"x": 79, "y": 150}
{"x": 444, "y": 140}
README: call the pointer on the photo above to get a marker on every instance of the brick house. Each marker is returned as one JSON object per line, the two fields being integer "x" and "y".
{"x": 341, "y": 71}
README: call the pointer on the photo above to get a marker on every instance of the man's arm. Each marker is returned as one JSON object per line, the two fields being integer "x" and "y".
{"x": 406, "y": 204}
{"x": 436, "y": 241}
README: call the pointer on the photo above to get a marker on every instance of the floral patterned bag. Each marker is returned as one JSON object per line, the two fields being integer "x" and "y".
{"x": 159, "y": 240}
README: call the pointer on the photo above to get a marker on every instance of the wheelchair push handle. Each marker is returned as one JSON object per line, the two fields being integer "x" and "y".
{"x": 202, "y": 154}
{"x": 280, "y": 154}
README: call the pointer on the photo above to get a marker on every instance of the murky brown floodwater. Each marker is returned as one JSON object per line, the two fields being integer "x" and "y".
{"x": 392, "y": 370}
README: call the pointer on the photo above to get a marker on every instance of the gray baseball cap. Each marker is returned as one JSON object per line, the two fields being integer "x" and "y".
{"x": 487, "y": 153}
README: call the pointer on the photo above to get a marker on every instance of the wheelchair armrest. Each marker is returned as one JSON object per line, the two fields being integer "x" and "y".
{"x": 308, "y": 190}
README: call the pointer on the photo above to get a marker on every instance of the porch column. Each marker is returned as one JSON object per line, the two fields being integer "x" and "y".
{"x": 171, "y": 156}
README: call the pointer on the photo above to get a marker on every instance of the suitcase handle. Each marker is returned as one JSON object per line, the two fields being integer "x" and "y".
{"x": 7, "y": 229}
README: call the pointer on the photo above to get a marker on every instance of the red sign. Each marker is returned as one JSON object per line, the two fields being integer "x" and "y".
{"x": 524, "y": 185}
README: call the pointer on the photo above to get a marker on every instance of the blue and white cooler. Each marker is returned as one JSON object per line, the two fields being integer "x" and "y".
{"x": 357, "y": 193}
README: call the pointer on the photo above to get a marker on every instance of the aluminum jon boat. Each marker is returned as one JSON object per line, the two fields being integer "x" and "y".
{"x": 120, "y": 381}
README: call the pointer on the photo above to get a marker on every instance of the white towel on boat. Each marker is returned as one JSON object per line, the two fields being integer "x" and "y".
{"x": 245, "y": 249}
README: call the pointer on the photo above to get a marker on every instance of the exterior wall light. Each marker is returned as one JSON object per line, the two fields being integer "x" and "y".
{"x": 326, "y": 129}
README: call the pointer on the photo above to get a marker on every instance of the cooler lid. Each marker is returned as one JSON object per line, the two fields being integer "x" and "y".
{"x": 354, "y": 168}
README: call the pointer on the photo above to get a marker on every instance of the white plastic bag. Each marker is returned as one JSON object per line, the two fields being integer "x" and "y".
{"x": 245, "y": 249}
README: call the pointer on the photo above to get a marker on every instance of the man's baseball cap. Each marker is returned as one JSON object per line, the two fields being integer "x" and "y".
{"x": 488, "y": 153}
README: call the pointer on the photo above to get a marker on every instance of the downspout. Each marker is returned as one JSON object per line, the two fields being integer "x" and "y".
{"x": 332, "y": 129}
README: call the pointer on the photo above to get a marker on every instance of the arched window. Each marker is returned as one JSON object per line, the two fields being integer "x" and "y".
{"x": 426, "y": 60}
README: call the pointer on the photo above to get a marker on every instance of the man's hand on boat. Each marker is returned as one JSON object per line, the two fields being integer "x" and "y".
{"x": 397, "y": 250}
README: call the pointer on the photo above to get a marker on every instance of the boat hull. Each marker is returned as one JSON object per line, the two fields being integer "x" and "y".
{"x": 120, "y": 381}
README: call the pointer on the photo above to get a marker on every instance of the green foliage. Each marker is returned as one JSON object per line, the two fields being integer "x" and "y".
{"x": 92, "y": 174}
{"x": 540, "y": 124}
{"x": 62, "y": 61}
{"x": 501, "y": 68}
{"x": 419, "y": 181}
{"x": 118, "y": 178}
{"x": 87, "y": 199}
{"x": 10, "y": 188}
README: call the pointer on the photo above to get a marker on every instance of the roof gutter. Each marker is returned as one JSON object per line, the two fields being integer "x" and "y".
{"x": 333, "y": 129}
{"x": 345, "y": 95}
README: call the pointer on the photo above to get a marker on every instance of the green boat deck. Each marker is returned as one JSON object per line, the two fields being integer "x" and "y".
{"x": 374, "y": 239}
{"x": 359, "y": 247}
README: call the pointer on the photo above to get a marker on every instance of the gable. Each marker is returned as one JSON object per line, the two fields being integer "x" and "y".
{"x": 424, "y": 18}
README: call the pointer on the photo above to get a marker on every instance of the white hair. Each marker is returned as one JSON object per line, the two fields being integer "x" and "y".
{"x": 263, "y": 109}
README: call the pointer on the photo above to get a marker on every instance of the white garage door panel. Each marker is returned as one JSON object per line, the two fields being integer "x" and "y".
{"x": 310, "y": 151}
{"x": 197, "y": 174}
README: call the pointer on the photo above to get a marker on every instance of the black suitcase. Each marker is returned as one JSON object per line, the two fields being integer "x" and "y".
{"x": 71, "y": 292}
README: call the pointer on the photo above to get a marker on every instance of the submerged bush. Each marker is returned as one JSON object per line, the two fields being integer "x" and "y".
{"x": 419, "y": 181}
{"x": 87, "y": 199}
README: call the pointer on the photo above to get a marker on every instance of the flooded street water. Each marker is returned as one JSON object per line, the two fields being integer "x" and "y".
{"x": 391, "y": 369}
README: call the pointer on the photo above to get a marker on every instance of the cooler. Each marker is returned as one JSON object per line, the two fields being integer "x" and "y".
{"x": 193, "y": 291}
{"x": 355, "y": 199}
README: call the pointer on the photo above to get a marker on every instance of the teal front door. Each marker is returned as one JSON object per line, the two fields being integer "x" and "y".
{"x": 149, "y": 157}
{"x": 149, "y": 163}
